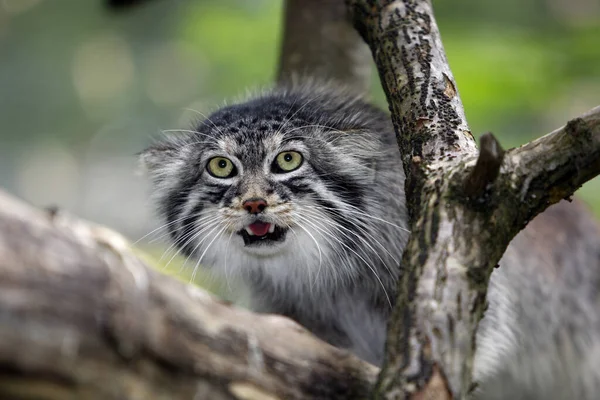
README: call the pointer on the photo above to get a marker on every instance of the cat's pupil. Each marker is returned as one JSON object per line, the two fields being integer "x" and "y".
{"x": 222, "y": 163}
{"x": 287, "y": 157}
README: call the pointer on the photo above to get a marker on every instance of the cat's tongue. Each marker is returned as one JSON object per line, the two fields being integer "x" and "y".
{"x": 259, "y": 228}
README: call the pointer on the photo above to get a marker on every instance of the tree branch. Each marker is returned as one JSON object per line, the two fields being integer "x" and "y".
{"x": 97, "y": 323}
{"x": 552, "y": 167}
{"x": 425, "y": 105}
{"x": 455, "y": 243}
{"x": 82, "y": 317}
{"x": 487, "y": 168}
{"x": 319, "y": 42}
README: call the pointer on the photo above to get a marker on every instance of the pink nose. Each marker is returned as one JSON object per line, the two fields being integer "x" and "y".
{"x": 255, "y": 205}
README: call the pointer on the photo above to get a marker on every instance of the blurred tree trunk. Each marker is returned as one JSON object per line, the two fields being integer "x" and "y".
{"x": 320, "y": 42}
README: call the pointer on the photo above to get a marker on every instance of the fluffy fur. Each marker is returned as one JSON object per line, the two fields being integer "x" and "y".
{"x": 344, "y": 217}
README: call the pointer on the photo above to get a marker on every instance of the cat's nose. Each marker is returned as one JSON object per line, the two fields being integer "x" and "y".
{"x": 255, "y": 205}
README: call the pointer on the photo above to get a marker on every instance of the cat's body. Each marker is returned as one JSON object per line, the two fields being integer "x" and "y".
{"x": 300, "y": 195}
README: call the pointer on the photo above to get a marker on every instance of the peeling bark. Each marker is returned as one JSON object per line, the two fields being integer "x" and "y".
{"x": 82, "y": 317}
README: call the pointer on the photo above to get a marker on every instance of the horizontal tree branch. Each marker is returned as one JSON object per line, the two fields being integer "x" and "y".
{"x": 552, "y": 167}
{"x": 82, "y": 317}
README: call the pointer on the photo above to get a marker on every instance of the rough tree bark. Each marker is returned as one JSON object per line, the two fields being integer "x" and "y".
{"x": 82, "y": 317}
{"x": 464, "y": 211}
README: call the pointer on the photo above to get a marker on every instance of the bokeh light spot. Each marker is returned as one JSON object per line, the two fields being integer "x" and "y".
{"x": 103, "y": 67}
{"x": 48, "y": 174}
{"x": 174, "y": 72}
{"x": 15, "y": 7}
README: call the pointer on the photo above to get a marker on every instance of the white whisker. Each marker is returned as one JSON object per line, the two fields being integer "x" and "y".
{"x": 193, "y": 278}
{"x": 180, "y": 239}
{"x": 193, "y": 234}
{"x": 195, "y": 221}
{"x": 366, "y": 233}
{"x": 353, "y": 251}
{"x": 318, "y": 248}
{"x": 357, "y": 211}
{"x": 227, "y": 279}
{"x": 159, "y": 228}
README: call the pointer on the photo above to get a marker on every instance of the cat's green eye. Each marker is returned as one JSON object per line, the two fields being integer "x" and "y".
{"x": 220, "y": 167}
{"x": 288, "y": 161}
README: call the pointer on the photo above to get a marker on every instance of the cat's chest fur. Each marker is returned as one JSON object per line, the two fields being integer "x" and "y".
{"x": 350, "y": 318}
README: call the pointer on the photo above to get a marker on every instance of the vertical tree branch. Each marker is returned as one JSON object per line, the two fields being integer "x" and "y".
{"x": 319, "y": 41}
{"x": 427, "y": 343}
{"x": 455, "y": 242}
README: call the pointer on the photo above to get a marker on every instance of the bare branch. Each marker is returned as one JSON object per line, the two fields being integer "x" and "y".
{"x": 424, "y": 334}
{"x": 426, "y": 108}
{"x": 454, "y": 245}
{"x": 82, "y": 317}
{"x": 319, "y": 41}
{"x": 552, "y": 167}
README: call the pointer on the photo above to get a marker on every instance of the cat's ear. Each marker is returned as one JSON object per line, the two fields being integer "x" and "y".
{"x": 156, "y": 156}
{"x": 160, "y": 161}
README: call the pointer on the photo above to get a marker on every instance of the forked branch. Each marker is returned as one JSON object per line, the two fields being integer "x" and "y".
{"x": 82, "y": 317}
{"x": 455, "y": 242}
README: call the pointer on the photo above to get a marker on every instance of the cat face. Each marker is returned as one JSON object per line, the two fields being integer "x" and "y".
{"x": 254, "y": 190}
{"x": 273, "y": 183}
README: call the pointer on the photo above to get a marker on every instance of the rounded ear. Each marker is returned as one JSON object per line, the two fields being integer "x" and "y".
{"x": 160, "y": 161}
{"x": 156, "y": 156}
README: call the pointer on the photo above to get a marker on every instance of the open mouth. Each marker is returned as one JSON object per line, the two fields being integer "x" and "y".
{"x": 262, "y": 233}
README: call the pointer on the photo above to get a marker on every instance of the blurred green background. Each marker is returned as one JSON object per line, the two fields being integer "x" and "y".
{"x": 82, "y": 89}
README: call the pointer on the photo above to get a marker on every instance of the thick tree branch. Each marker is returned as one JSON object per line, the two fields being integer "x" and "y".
{"x": 425, "y": 105}
{"x": 554, "y": 166}
{"x": 320, "y": 42}
{"x": 82, "y": 317}
{"x": 455, "y": 242}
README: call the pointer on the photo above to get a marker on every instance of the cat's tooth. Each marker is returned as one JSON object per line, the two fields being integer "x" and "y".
{"x": 249, "y": 231}
{"x": 272, "y": 228}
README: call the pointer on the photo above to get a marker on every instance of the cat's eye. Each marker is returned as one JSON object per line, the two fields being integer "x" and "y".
{"x": 220, "y": 167}
{"x": 287, "y": 161}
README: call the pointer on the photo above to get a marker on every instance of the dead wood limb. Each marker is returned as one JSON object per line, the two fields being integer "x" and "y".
{"x": 487, "y": 168}
{"x": 455, "y": 243}
{"x": 81, "y": 317}
{"x": 320, "y": 42}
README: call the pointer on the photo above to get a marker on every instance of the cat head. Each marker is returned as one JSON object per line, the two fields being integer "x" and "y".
{"x": 287, "y": 177}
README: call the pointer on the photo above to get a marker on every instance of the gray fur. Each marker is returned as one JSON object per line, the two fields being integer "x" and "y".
{"x": 335, "y": 273}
